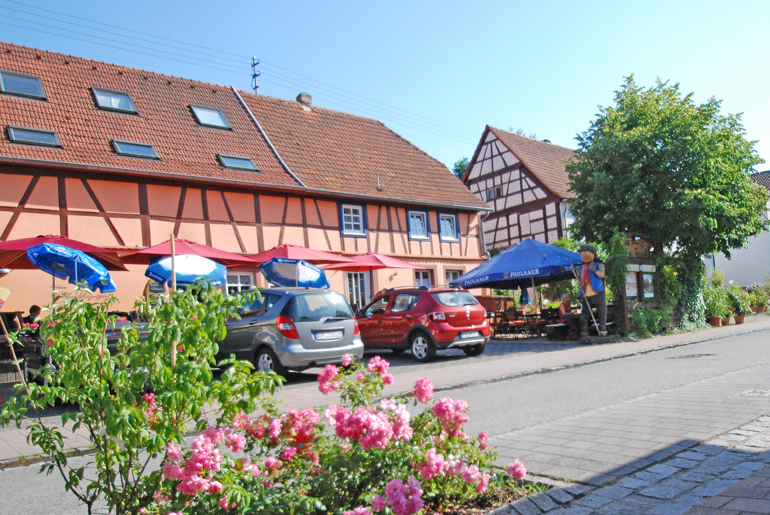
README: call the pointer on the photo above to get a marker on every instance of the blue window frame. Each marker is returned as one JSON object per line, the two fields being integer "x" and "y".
{"x": 353, "y": 220}
{"x": 131, "y": 149}
{"x": 419, "y": 225}
{"x": 448, "y": 227}
{"x": 22, "y": 85}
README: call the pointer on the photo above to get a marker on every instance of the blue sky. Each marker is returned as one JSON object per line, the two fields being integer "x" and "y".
{"x": 434, "y": 71}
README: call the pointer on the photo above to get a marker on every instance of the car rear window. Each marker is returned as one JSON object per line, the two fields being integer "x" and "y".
{"x": 455, "y": 299}
{"x": 312, "y": 307}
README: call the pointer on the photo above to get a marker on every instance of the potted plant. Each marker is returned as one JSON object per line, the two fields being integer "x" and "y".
{"x": 715, "y": 299}
{"x": 759, "y": 300}
{"x": 740, "y": 303}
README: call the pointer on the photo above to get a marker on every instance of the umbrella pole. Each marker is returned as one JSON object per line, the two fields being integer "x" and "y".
{"x": 173, "y": 290}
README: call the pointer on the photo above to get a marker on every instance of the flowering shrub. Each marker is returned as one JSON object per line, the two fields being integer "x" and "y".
{"x": 358, "y": 457}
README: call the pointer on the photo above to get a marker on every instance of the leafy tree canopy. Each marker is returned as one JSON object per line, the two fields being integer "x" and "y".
{"x": 459, "y": 167}
{"x": 657, "y": 164}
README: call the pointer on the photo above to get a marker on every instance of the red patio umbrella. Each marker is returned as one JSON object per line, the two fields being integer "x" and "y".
{"x": 297, "y": 252}
{"x": 13, "y": 253}
{"x": 181, "y": 247}
{"x": 373, "y": 261}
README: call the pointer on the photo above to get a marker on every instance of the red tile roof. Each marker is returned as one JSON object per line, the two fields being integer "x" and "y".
{"x": 328, "y": 150}
{"x": 542, "y": 158}
{"x": 337, "y": 151}
{"x": 164, "y": 119}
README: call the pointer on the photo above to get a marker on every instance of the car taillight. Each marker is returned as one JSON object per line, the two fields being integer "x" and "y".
{"x": 287, "y": 327}
{"x": 438, "y": 315}
{"x": 356, "y": 330}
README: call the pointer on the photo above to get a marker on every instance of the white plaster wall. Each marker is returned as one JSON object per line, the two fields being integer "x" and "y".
{"x": 747, "y": 266}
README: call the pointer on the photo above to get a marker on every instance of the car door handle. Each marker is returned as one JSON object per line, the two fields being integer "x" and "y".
{"x": 254, "y": 322}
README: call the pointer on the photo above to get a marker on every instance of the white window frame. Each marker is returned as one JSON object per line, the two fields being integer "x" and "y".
{"x": 420, "y": 278}
{"x": 426, "y": 225}
{"x": 238, "y": 283}
{"x": 447, "y": 274}
{"x": 362, "y": 220}
{"x": 355, "y": 296}
{"x": 455, "y": 221}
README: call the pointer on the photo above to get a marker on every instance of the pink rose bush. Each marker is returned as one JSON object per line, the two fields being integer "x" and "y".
{"x": 355, "y": 457}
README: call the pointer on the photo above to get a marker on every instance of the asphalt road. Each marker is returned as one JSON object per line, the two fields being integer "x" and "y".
{"x": 502, "y": 407}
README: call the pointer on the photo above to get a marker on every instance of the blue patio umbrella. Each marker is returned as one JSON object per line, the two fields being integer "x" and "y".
{"x": 294, "y": 272}
{"x": 526, "y": 264}
{"x": 190, "y": 269}
{"x": 74, "y": 265}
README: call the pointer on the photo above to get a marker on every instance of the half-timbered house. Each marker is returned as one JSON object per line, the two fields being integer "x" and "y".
{"x": 122, "y": 158}
{"x": 525, "y": 183}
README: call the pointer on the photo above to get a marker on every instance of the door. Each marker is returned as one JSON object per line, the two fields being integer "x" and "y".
{"x": 358, "y": 289}
{"x": 398, "y": 320}
{"x": 372, "y": 320}
{"x": 243, "y": 333}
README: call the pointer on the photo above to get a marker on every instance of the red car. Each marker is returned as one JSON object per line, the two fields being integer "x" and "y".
{"x": 424, "y": 320}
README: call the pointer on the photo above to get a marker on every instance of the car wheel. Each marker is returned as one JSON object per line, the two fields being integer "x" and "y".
{"x": 422, "y": 348}
{"x": 266, "y": 361}
{"x": 475, "y": 350}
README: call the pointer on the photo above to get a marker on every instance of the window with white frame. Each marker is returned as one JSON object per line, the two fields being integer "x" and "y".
{"x": 418, "y": 225}
{"x": 422, "y": 278}
{"x": 447, "y": 224}
{"x": 113, "y": 100}
{"x": 239, "y": 282}
{"x": 451, "y": 275}
{"x": 353, "y": 220}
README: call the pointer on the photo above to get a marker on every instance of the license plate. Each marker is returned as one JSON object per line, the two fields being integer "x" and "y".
{"x": 328, "y": 335}
{"x": 470, "y": 334}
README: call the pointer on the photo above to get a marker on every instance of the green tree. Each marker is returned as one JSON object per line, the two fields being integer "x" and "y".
{"x": 459, "y": 167}
{"x": 657, "y": 164}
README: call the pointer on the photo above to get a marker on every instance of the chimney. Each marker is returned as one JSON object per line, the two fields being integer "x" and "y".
{"x": 305, "y": 99}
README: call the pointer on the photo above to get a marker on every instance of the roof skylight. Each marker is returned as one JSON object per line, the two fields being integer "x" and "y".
{"x": 113, "y": 100}
{"x": 30, "y": 136}
{"x": 130, "y": 149}
{"x": 237, "y": 163}
{"x": 209, "y": 117}
{"x": 22, "y": 85}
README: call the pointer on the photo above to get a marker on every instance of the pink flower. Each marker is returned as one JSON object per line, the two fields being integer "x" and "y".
{"x": 173, "y": 452}
{"x": 378, "y": 503}
{"x": 378, "y": 365}
{"x": 215, "y": 487}
{"x": 362, "y": 511}
{"x": 401, "y": 428}
{"x": 149, "y": 398}
{"x": 171, "y": 471}
{"x": 326, "y": 384}
{"x": 483, "y": 483}
{"x": 347, "y": 359}
{"x": 273, "y": 464}
{"x": 235, "y": 442}
{"x": 482, "y": 440}
{"x": 360, "y": 377}
{"x": 453, "y": 465}
{"x": 517, "y": 470}
{"x": 241, "y": 421}
{"x": 470, "y": 474}
{"x": 298, "y": 425}
{"x": 274, "y": 429}
{"x": 213, "y": 434}
{"x": 288, "y": 453}
{"x": 387, "y": 378}
{"x": 451, "y": 414}
{"x": 223, "y": 502}
{"x": 423, "y": 390}
{"x": 432, "y": 466}
{"x": 404, "y": 499}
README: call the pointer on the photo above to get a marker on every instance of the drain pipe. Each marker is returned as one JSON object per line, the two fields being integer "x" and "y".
{"x": 481, "y": 232}
{"x": 264, "y": 135}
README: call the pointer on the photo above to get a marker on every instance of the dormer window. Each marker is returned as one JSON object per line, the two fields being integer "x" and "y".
{"x": 131, "y": 149}
{"x": 209, "y": 117}
{"x": 237, "y": 163}
{"x": 110, "y": 100}
{"x": 28, "y": 136}
{"x": 22, "y": 85}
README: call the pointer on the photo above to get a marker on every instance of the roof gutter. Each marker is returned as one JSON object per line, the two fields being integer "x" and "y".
{"x": 264, "y": 135}
{"x": 225, "y": 182}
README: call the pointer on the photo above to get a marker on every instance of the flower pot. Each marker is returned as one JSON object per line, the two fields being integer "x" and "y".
{"x": 757, "y": 309}
{"x": 764, "y": 309}
{"x": 726, "y": 321}
{"x": 715, "y": 321}
{"x": 739, "y": 319}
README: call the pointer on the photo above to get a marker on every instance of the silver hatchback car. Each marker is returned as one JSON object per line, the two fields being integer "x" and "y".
{"x": 293, "y": 329}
